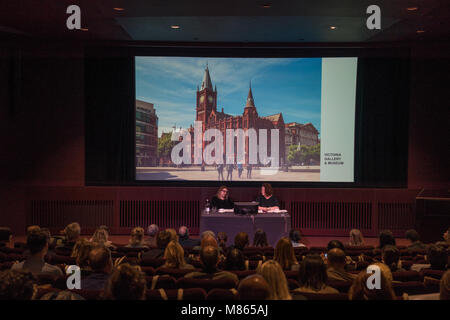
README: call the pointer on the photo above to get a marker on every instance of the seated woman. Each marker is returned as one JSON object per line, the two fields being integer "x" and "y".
{"x": 221, "y": 199}
{"x": 356, "y": 238}
{"x": 137, "y": 238}
{"x": 267, "y": 201}
{"x": 174, "y": 256}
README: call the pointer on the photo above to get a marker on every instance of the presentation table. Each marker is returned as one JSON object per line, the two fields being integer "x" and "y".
{"x": 276, "y": 225}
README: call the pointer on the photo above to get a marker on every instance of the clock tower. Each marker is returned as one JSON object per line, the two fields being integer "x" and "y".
{"x": 206, "y": 99}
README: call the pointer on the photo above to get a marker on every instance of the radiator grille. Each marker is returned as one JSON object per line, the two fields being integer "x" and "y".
{"x": 331, "y": 215}
{"x": 395, "y": 216}
{"x": 59, "y": 213}
{"x": 164, "y": 213}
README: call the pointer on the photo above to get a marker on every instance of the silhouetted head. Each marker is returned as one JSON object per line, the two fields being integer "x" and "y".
{"x": 254, "y": 287}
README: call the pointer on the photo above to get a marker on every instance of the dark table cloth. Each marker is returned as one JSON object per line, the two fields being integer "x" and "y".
{"x": 275, "y": 225}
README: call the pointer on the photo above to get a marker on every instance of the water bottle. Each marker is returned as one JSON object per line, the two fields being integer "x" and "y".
{"x": 207, "y": 206}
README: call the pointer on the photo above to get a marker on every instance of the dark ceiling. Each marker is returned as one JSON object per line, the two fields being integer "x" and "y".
{"x": 227, "y": 21}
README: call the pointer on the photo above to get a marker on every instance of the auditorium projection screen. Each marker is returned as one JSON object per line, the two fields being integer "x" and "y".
{"x": 245, "y": 119}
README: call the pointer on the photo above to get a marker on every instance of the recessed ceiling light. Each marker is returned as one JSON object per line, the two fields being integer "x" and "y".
{"x": 266, "y": 5}
{"x": 333, "y": 28}
{"x": 175, "y": 27}
{"x": 84, "y": 29}
{"x": 119, "y": 9}
{"x": 420, "y": 31}
{"x": 412, "y": 8}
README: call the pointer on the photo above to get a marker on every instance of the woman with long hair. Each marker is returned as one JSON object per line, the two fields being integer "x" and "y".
{"x": 313, "y": 276}
{"x": 285, "y": 255}
{"x": 275, "y": 277}
{"x": 260, "y": 239}
{"x": 174, "y": 256}
{"x": 356, "y": 238}
{"x": 137, "y": 238}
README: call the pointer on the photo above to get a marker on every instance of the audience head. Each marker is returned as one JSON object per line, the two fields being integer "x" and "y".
{"x": 173, "y": 234}
{"x": 241, "y": 240}
{"x": 260, "y": 239}
{"x": 152, "y": 230}
{"x": 104, "y": 227}
{"x": 254, "y": 287}
{"x": 437, "y": 257}
{"x": 391, "y": 256}
{"x": 5, "y": 235}
{"x": 137, "y": 236}
{"x": 37, "y": 243}
{"x": 126, "y": 283}
{"x": 295, "y": 236}
{"x": 31, "y": 229}
{"x": 356, "y": 238}
{"x": 208, "y": 240}
{"x": 100, "y": 259}
{"x": 16, "y": 285}
{"x": 266, "y": 189}
{"x": 335, "y": 244}
{"x": 235, "y": 260}
{"x": 446, "y": 235}
{"x": 207, "y": 233}
{"x": 183, "y": 232}
{"x": 81, "y": 251}
{"x": 386, "y": 238}
{"x": 276, "y": 279}
{"x": 222, "y": 193}
{"x": 445, "y": 286}
{"x": 313, "y": 272}
{"x": 412, "y": 235}
{"x": 72, "y": 231}
{"x": 360, "y": 291}
{"x": 61, "y": 295}
{"x": 162, "y": 239}
{"x": 284, "y": 254}
{"x": 336, "y": 258}
{"x": 222, "y": 237}
{"x": 100, "y": 236}
{"x": 209, "y": 256}
{"x": 174, "y": 255}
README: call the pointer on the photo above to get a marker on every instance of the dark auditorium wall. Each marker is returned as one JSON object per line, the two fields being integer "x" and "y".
{"x": 42, "y": 124}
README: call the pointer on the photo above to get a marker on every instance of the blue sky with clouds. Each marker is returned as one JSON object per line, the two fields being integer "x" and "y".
{"x": 291, "y": 86}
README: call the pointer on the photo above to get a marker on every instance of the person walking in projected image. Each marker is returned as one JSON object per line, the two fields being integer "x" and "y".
{"x": 220, "y": 172}
{"x": 230, "y": 168}
{"x": 249, "y": 171}
{"x": 240, "y": 168}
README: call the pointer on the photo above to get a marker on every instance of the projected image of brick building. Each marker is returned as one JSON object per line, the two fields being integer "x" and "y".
{"x": 212, "y": 118}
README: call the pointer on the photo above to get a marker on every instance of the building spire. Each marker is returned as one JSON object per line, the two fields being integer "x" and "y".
{"x": 250, "y": 102}
{"x": 206, "y": 83}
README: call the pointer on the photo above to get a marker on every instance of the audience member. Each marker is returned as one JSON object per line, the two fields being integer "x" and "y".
{"x": 137, "y": 238}
{"x": 445, "y": 286}
{"x": 390, "y": 256}
{"x": 222, "y": 237}
{"x": 295, "y": 237}
{"x": 6, "y": 238}
{"x": 284, "y": 254}
{"x": 313, "y": 276}
{"x": 37, "y": 243}
{"x": 356, "y": 238}
{"x": 335, "y": 244}
{"x": 386, "y": 238}
{"x": 72, "y": 234}
{"x": 209, "y": 257}
{"x": 446, "y": 236}
{"x": 254, "y": 287}
{"x": 360, "y": 291}
{"x": 16, "y": 285}
{"x": 162, "y": 240}
{"x": 437, "y": 257}
{"x": 152, "y": 231}
{"x": 81, "y": 251}
{"x": 184, "y": 240}
{"x": 336, "y": 266}
{"x": 241, "y": 240}
{"x": 101, "y": 236}
{"x": 414, "y": 239}
{"x": 126, "y": 283}
{"x": 276, "y": 279}
{"x": 174, "y": 256}
{"x": 235, "y": 260}
{"x": 173, "y": 234}
{"x": 260, "y": 239}
{"x": 61, "y": 295}
{"x": 101, "y": 264}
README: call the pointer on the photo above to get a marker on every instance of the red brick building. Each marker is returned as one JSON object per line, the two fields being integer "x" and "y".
{"x": 211, "y": 118}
